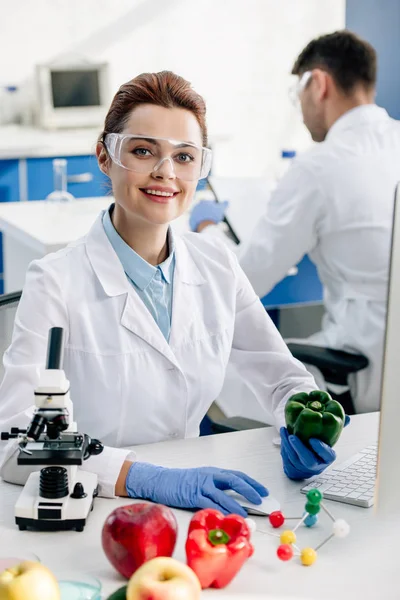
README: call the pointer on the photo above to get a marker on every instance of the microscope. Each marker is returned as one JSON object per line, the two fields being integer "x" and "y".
{"x": 59, "y": 496}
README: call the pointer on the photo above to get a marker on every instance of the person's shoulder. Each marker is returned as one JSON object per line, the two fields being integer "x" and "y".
{"x": 59, "y": 262}
{"x": 212, "y": 257}
{"x": 210, "y": 247}
{"x": 314, "y": 157}
{"x": 316, "y": 165}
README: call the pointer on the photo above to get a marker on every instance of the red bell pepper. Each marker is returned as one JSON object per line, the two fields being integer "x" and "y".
{"x": 217, "y": 546}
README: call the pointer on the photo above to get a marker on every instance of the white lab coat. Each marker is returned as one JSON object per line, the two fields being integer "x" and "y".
{"x": 336, "y": 204}
{"x": 128, "y": 385}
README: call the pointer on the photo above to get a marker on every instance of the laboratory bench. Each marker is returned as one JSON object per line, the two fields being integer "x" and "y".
{"x": 362, "y": 566}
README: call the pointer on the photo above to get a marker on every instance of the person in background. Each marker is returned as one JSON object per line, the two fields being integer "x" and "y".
{"x": 335, "y": 204}
{"x": 152, "y": 319}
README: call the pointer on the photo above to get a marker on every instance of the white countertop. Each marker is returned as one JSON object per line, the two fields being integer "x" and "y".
{"x": 17, "y": 141}
{"x": 48, "y": 226}
{"x": 363, "y": 566}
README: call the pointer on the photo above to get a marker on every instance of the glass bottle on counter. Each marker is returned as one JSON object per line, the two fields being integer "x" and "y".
{"x": 60, "y": 193}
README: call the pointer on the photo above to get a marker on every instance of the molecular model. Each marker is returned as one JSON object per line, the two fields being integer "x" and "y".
{"x": 287, "y": 548}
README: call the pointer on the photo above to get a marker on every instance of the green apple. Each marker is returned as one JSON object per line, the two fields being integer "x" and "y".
{"x": 29, "y": 581}
{"x": 163, "y": 578}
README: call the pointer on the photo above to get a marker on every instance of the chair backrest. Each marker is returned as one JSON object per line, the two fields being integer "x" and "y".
{"x": 8, "y": 307}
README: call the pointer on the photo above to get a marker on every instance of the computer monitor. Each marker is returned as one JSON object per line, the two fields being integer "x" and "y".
{"x": 72, "y": 95}
{"x": 387, "y": 491}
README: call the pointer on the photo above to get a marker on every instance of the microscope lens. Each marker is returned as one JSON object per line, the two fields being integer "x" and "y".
{"x": 61, "y": 422}
{"x": 36, "y": 427}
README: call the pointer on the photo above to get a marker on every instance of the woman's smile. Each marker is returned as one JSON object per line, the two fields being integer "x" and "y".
{"x": 159, "y": 194}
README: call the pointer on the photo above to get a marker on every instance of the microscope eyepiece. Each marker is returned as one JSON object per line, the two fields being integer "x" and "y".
{"x": 55, "y": 348}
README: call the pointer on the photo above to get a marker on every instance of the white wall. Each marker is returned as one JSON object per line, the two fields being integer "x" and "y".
{"x": 237, "y": 53}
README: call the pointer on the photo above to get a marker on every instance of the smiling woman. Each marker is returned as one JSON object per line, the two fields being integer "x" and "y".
{"x": 151, "y": 319}
{"x": 155, "y": 130}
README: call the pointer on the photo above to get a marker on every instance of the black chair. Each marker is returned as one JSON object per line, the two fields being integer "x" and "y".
{"x": 10, "y": 299}
{"x": 335, "y": 366}
{"x": 8, "y": 306}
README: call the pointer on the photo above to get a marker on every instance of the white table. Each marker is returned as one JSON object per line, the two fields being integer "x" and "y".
{"x": 22, "y": 141}
{"x": 18, "y": 141}
{"x": 355, "y": 568}
{"x": 33, "y": 229}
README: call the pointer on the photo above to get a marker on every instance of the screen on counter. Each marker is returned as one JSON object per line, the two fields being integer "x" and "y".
{"x": 75, "y": 88}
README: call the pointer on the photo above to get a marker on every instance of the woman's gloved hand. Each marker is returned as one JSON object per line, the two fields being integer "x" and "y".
{"x": 207, "y": 210}
{"x": 201, "y": 487}
{"x": 299, "y": 462}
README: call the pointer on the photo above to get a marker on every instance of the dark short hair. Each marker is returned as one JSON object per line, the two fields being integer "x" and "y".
{"x": 347, "y": 58}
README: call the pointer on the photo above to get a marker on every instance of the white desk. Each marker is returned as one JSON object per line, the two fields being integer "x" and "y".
{"x": 33, "y": 229}
{"x": 20, "y": 141}
{"x": 17, "y": 141}
{"x": 355, "y": 568}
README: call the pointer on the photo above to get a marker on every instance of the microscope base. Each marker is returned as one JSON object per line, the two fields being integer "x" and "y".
{"x": 43, "y": 514}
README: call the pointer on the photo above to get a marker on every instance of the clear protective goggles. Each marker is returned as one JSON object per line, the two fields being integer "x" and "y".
{"x": 297, "y": 88}
{"x": 144, "y": 154}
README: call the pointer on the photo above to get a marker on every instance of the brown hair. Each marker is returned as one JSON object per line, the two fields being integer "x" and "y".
{"x": 162, "y": 89}
{"x": 349, "y": 59}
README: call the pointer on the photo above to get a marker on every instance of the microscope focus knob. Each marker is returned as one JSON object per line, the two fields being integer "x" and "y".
{"x": 79, "y": 491}
{"x": 15, "y": 431}
{"x": 95, "y": 447}
{"x": 53, "y": 482}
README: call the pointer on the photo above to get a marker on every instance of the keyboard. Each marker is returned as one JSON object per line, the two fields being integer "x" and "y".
{"x": 351, "y": 482}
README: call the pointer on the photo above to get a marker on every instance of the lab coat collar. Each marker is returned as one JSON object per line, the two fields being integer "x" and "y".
{"x": 366, "y": 113}
{"x": 135, "y": 316}
{"x": 137, "y": 269}
{"x": 110, "y": 272}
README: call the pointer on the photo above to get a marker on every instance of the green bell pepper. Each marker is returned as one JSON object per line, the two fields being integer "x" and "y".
{"x": 314, "y": 415}
{"x": 120, "y": 594}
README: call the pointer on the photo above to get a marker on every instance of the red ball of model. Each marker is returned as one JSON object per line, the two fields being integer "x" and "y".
{"x": 285, "y": 552}
{"x": 276, "y": 519}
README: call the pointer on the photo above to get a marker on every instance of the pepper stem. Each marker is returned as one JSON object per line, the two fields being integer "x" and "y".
{"x": 315, "y": 405}
{"x": 218, "y": 536}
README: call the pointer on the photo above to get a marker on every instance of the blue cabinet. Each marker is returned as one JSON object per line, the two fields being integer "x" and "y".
{"x": 9, "y": 180}
{"x": 40, "y": 177}
{"x": 9, "y": 192}
{"x": 378, "y": 22}
{"x": 303, "y": 288}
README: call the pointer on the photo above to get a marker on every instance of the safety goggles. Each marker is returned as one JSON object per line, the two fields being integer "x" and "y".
{"x": 297, "y": 88}
{"x": 144, "y": 154}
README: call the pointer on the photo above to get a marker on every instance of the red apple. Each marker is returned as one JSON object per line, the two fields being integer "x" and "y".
{"x": 164, "y": 579}
{"x": 136, "y": 533}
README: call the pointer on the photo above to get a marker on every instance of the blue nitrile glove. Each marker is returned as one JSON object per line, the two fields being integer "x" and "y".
{"x": 299, "y": 462}
{"x": 207, "y": 210}
{"x": 192, "y": 488}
